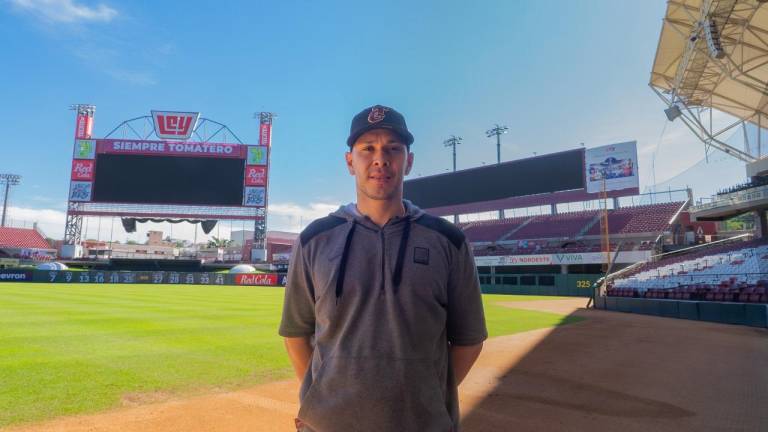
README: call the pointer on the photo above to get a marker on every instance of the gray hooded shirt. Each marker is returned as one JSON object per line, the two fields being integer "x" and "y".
{"x": 383, "y": 305}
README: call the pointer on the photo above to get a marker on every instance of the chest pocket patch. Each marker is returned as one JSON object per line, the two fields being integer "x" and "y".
{"x": 421, "y": 255}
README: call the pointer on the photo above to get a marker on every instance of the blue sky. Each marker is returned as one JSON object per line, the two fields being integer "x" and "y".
{"x": 557, "y": 73}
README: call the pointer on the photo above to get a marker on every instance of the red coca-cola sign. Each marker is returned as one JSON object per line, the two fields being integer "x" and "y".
{"x": 255, "y": 175}
{"x": 82, "y": 169}
{"x": 260, "y": 279}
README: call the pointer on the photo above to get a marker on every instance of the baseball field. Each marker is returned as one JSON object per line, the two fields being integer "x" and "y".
{"x": 76, "y": 348}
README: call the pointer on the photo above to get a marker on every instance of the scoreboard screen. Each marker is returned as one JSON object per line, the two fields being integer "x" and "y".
{"x": 543, "y": 174}
{"x": 143, "y": 179}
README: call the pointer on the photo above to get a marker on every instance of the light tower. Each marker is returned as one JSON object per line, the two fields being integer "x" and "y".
{"x": 453, "y": 141}
{"x": 9, "y": 180}
{"x": 497, "y": 130}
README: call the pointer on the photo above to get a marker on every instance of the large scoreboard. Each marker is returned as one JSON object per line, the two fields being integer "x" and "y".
{"x": 543, "y": 174}
{"x": 587, "y": 172}
{"x": 165, "y": 172}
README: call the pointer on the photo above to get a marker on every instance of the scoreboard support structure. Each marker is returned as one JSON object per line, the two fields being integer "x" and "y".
{"x": 259, "y": 250}
{"x": 73, "y": 227}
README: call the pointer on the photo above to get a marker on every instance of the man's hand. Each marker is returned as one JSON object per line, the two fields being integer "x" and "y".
{"x": 300, "y": 352}
{"x": 462, "y": 358}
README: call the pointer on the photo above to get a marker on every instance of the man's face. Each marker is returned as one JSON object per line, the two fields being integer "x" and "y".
{"x": 379, "y": 160}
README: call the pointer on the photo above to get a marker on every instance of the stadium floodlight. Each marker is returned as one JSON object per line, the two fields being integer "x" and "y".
{"x": 497, "y": 131}
{"x": 453, "y": 141}
{"x": 83, "y": 108}
{"x": 9, "y": 180}
{"x": 673, "y": 112}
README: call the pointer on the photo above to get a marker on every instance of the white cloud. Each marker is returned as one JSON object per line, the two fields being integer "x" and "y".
{"x": 50, "y": 221}
{"x": 66, "y": 11}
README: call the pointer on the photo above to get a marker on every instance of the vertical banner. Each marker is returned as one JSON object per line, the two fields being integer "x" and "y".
{"x": 265, "y": 134}
{"x": 84, "y": 125}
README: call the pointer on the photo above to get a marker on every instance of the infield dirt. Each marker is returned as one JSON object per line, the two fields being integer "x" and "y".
{"x": 612, "y": 371}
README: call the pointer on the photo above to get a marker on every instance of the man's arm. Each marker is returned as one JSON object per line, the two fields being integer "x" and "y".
{"x": 462, "y": 358}
{"x": 298, "y": 322}
{"x": 300, "y": 352}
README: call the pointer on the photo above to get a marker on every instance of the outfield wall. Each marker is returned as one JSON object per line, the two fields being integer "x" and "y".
{"x": 754, "y": 315}
{"x": 142, "y": 277}
{"x": 575, "y": 285}
{"x": 523, "y": 284}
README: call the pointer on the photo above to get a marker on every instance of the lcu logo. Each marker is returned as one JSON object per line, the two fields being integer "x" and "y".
{"x": 174, "y": 125}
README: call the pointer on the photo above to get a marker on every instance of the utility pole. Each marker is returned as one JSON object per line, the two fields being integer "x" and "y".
{"x": 9, "y": 180}
{"x": 453, "y": 141}
{"x": 498, "y": 131}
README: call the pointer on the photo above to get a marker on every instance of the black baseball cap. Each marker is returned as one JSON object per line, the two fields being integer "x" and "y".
{"x": 379, "y": 117}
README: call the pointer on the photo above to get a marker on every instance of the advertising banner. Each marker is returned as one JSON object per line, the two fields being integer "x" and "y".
{"x": 265, "y": 134}
{"x": 257, "y": 155}
{"x": 82, "y": 169}
{"x": 627, "y": 257}
{"x": 614, "y": 165}
{"x": 83, "y": 126}
{"x": 15, "y": 275}
{"x": 80, "y": 191}
{"x": 85, "y": 149}
{"x": 255, "y": 175}
{"x": 165, "y": 148}
{"x": 254, "y": 196}
{"x": 265, "y": 279}
{"x": 174, "y": 125}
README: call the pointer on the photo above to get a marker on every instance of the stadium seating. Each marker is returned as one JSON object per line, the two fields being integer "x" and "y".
{"x": 563, "y": 225}
{"x": 490, "y": 230}
{"x": 726, "y": 273}
{"x": 646, "y": 219}
{"x": 25, "y": 244}
{"x": 639, "y": 219}
{"x": 574, "y": 232}
{"x": 22, "y": 238}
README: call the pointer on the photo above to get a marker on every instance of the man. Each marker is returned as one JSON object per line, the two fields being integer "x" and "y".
{"x": 382, "y": 316}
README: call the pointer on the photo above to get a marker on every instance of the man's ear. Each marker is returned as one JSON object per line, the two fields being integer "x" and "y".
{"x": 409, "y": 163}
{"x": 348, "y": 158}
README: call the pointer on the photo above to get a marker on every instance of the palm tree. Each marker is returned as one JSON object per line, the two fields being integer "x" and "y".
{"x": 216, "y": 242}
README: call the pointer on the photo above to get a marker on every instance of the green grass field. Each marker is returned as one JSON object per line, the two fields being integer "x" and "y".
{"x": 77, "y": 348}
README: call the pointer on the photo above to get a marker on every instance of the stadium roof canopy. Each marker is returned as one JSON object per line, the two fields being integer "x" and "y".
{"x": 713, "y": 54}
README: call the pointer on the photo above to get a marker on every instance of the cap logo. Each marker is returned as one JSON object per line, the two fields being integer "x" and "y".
{"x": 377, "y": 114}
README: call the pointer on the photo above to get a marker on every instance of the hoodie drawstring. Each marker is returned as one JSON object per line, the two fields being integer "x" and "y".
{"x": 396, "y": 278}
{"x": 343, "y": 265}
